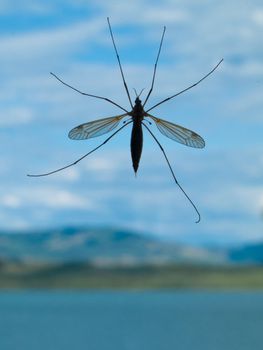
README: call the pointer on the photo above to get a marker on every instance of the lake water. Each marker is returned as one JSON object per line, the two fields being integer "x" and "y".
{"x": 64, "y": 320}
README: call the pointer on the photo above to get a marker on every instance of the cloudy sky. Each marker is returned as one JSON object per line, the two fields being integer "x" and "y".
{"x": 71, "y": 39}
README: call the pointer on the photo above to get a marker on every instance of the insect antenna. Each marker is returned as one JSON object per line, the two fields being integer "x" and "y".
{"x": 138, "y": 95}
{"x": 170, "y": 167}
{"x": 119, "y": 62}
{"x": 188, "y": 88}
{"x": 85, "y": 94}
{"x": 155, "y": 66}
{"x": 85, "y": 155}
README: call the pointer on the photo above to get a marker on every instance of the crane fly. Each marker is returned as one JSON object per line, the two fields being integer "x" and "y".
{"x": 137, "y": 116}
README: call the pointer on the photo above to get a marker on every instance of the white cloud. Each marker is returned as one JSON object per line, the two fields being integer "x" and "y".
{"x": 60, "y": 199}
{"x": 236, "y": 198}
{"x": 71, "y": 175}
{"x": 49, "y": 41}
{"x": 14, "y": 116}
{"x": 10, "y": 201}
{"x": 248, "y": 69}
{"x": 52, "y": 198}
{"x": 165, "y": 15}
{"x": 8, "y": 7}
{"x": 101, "y": 163}
{"x": 257, "y": 16}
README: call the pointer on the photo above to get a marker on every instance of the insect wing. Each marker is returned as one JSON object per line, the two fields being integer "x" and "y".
{"x": 178, "y": 133}
{"x": 95, "y": 128}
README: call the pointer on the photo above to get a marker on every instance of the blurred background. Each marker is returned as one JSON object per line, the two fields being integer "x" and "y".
{"x": 96, "y": 225}
{"x": 71, "y": 39}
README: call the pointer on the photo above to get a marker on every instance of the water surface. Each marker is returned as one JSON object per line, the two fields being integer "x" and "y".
{"x": 64, "y": 320}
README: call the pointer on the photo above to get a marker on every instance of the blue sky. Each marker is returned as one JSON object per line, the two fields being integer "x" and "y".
{"x": 71, "y": 39}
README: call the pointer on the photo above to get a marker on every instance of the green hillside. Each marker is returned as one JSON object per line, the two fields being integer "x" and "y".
{"x": 81, "y": 275}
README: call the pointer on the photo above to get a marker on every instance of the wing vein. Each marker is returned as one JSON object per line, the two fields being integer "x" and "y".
{"x": 95, "y": 128}
{"x": 178, "y": 133}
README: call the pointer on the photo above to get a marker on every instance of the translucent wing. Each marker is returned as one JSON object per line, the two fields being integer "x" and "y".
{"x": 95, "y": 128}
{"x": 178, "y": 133}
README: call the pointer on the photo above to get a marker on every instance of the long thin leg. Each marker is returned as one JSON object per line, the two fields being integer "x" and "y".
{"x": 186, "y": 195}
{"x": 190, "y": 87}
{"x": 118, "y": 58}
{"x": 85, "y": 155}
{"x": 155, "y": 66}
{"x": 85, "y": 94}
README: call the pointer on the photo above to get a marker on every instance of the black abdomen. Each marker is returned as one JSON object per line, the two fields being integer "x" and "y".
{"x": 136, "y": 144}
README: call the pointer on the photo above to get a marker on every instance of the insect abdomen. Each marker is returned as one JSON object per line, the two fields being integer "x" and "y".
{"x": 136, "y": 144}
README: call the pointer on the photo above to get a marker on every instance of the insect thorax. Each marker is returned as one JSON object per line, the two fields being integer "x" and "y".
{"x": 137, "y": 112}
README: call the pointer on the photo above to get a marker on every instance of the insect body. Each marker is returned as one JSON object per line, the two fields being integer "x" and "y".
{"x": 137, "y": 116}
{"x": 171, "y": 130}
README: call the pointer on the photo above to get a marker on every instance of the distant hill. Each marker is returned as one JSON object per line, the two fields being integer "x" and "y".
{"x": 248, "y": 254}
{"x": 111, "y": 258}
{"x": 104, "y": 246}
{"x": 101, "y": 247}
